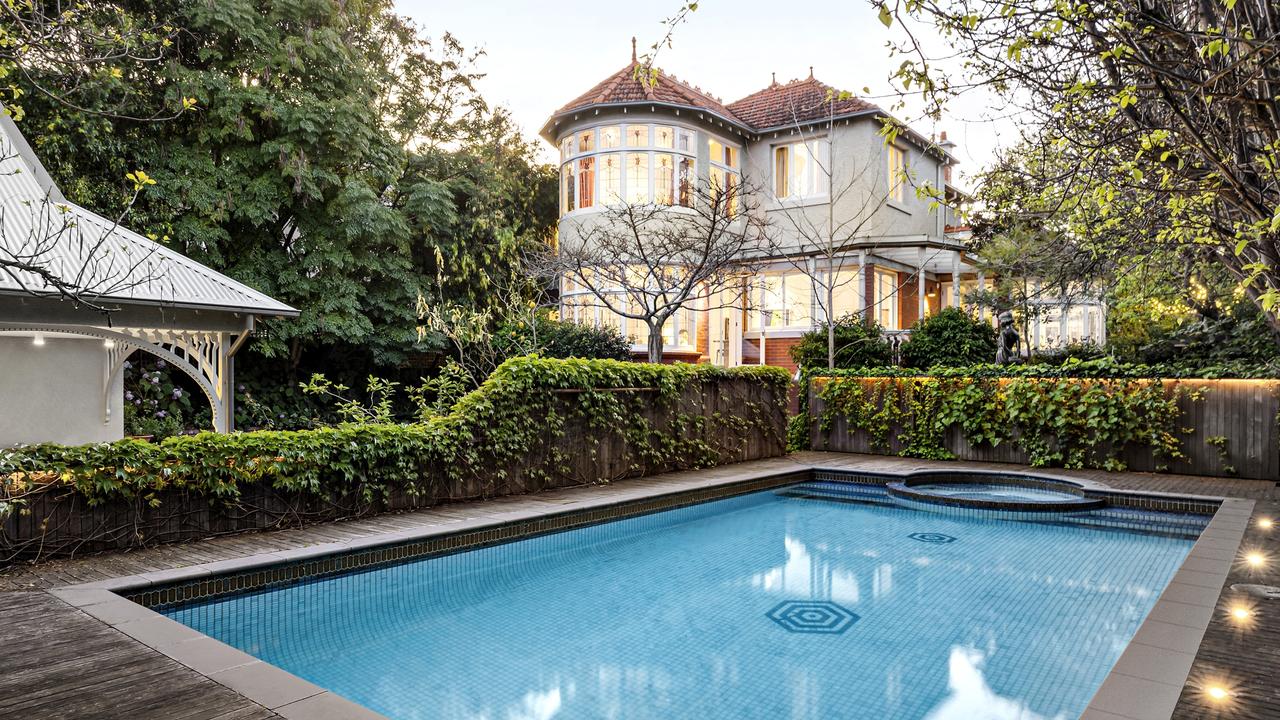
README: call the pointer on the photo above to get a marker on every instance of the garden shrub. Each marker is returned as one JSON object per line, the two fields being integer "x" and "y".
{"x": 559, "y": 339}
{"x": 950, "y": 338}
{"x": 858, "y": 344}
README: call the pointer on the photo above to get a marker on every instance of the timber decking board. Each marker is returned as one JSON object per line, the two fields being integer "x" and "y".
{"x": 59, "y": 663}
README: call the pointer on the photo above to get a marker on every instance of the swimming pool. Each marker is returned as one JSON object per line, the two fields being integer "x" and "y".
{"x": 776, "y": 604}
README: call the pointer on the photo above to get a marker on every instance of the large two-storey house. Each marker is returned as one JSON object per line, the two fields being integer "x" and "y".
{"x": 821, "y": 161}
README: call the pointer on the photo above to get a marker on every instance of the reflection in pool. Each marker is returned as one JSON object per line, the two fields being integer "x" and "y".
{"x": 761, "y": 606}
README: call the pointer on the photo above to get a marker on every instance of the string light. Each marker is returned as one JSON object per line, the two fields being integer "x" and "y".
{"x": 1217, "y": 693}
{"x": 1264, "y": 523}
{"x": 1255, "y": 559}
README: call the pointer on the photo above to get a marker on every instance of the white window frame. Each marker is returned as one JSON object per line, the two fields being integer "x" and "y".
{"x": 896, "y": 175}
{"x": 651, "y": 150}
{"x": 819, "y": 165}
{"x": 755, "y": 319}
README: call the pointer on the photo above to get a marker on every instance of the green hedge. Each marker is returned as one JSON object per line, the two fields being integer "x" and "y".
{"x": 509, "y": 420}
{"x": 1072, "y": 422}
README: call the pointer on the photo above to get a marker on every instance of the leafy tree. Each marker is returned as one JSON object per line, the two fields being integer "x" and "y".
{"x": 951, "y": 338}
{"x": 1156, "y": 118}
{"x": 858, "y": 344}
{"x": 335, "y": 159}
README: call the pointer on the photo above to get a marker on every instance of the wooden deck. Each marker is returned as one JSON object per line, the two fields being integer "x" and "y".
{"x": 57, "y": 662}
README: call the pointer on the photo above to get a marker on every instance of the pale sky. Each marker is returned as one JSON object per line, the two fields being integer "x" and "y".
{"x": 540, "y": 55}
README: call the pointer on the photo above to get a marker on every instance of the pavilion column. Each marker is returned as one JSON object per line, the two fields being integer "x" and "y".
{"x": 224, "y": 416}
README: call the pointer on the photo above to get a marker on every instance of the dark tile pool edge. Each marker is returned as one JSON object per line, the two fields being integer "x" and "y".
{"x": 292, "y": 697}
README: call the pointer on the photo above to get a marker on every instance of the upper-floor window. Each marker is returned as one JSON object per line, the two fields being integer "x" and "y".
{"x": 632, "y": 163}
{"x": 897, "y": 173}
{"x": 725, "y": 175}
{"x": 801, "y": 169}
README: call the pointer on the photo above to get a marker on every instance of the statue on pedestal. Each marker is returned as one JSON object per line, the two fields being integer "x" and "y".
{"x": 1007, "y": 341}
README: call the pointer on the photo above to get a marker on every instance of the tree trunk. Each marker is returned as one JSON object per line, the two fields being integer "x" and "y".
{"x": 831, "y": 322}
{"x": 655, "y": 343}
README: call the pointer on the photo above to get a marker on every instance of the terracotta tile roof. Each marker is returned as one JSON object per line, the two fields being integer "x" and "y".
{"x": 624, "y": 86}
{"x": 798, "y": 100}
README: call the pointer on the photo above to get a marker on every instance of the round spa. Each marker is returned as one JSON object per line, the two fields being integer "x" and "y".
{"x": 992, "y": 491}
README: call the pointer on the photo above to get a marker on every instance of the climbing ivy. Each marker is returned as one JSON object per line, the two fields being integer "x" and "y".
{"x": 518, "y": 421}
{"x": 1057, "y": 421}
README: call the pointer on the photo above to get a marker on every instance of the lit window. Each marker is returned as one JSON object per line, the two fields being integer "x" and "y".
{"x": 610, "y": 137}
{"x": 586, "y": 182}
{"x": 637, "y": 178}
{"x": 687, "y": 181}
{"x": 684, "y": 140}
{"x": 886, "y": 297}
{"x": 786, "y": 300}
{"x": 844, "y": 294}
{"x": 800, "y": 170}
{"x": 664, "y": 137}
{"x": 566, "y": 189}
{"x": 611, "y": 177}
{"x": 723, "y": 175}
{"x": 664, "y": 174}
{"x": 897, "y": 173}
{"x": 637, "y": 136}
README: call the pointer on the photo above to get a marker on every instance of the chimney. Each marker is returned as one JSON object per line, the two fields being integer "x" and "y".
{"x": 947, "y": 146}
{"x": 633, "y": 49}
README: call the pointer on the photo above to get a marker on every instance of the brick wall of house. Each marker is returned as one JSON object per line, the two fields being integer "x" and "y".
{"x": 703, "y": 342}
{"x": 908, "y": 300}
{"x": 777, "y": 352}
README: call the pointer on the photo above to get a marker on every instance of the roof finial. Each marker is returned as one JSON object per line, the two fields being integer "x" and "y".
{"x": 773, "y": 78}
{"x": 810, "y": 72}
{"x": 633, "y": 48}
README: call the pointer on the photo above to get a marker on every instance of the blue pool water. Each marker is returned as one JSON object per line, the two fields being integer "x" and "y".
{"x": 762, "y": 606}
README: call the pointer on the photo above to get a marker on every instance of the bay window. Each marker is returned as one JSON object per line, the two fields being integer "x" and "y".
{"x": 724, "y": 173}
{"x": 635, "y": 163}
{"x": 637, "y": 135}
{"x": 637, "y": 178}
{"x": 586, "y": 182}
{"x": 664, "y": 178}
{"x": 611, "y": 177}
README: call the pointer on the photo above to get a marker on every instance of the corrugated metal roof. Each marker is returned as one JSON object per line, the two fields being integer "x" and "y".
{"x": 112, "y": 262}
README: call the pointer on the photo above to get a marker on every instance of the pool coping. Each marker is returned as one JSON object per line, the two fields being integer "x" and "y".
{"x": 1144, "y": 684}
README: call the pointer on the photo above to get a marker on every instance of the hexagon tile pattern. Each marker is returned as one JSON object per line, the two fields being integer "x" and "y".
{"x": 812, "y": 616}
{"x": 936, "y": 538}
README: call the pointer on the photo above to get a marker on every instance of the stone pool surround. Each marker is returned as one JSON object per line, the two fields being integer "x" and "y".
{"x": 1145, "y": 683}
